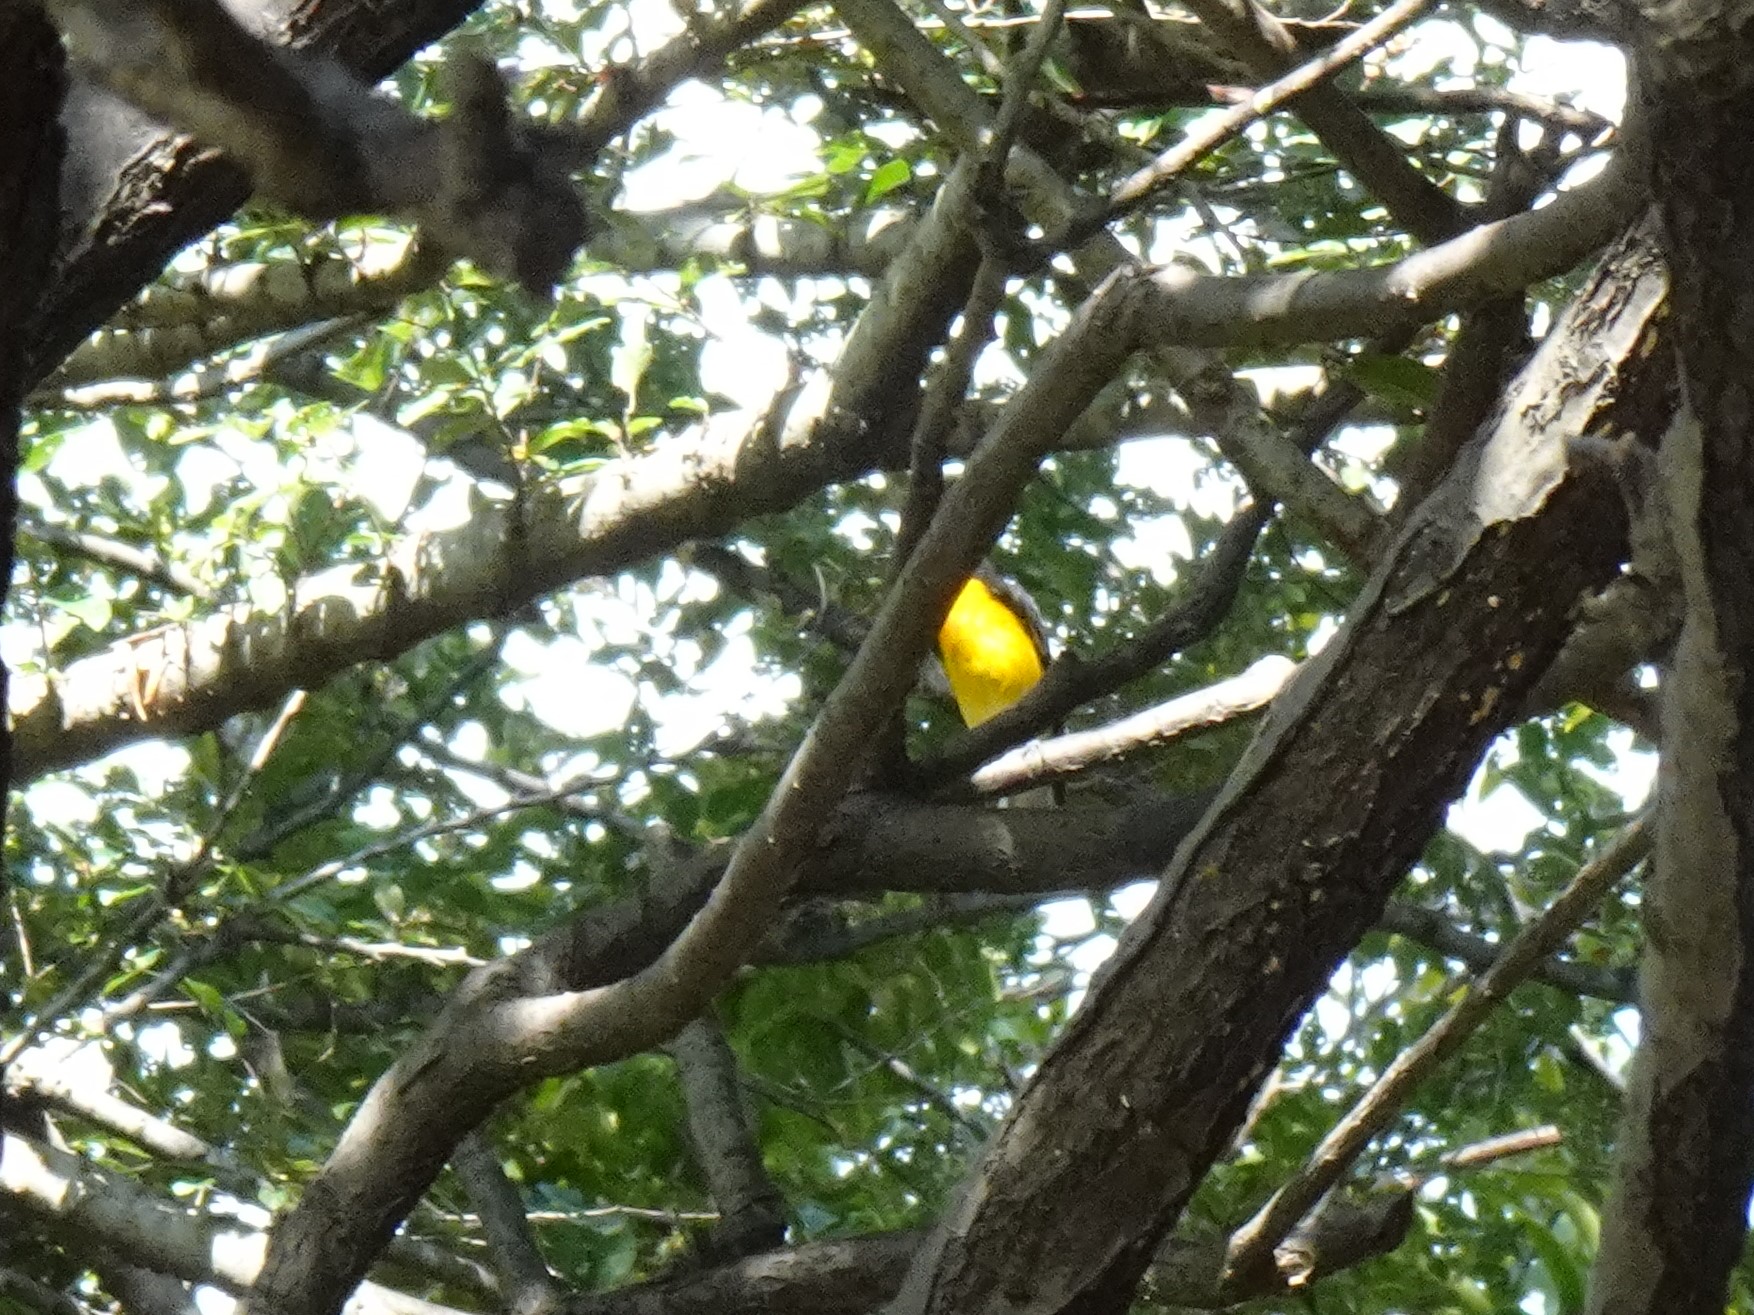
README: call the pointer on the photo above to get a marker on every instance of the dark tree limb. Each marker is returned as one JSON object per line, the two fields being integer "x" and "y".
{"x": 1339, "y": 794}
{"x": 32, "y": 85}
{"x": 845, "y": 1276}
{"x": 1676, "y": 1224}
{"x": 317, "y": 139}
{"x": 751, "y": 1210}
{"x": 132, "y": 194}
{"x": 526, "y": 1283}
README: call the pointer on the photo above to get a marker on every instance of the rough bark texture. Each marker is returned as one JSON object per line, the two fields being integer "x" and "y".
{"x": 1676, "y": 1224}
{"x": 32, "y": 81}
{"x": 844, "y": 1277}
{"x": 1340, "y": 793}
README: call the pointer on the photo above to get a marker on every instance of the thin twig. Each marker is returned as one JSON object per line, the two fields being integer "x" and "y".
{"x": 1252, "y": 1245}
{"x": 187, "y": 874}
{"x": 952, "y": 21}
{"x": 220, "y": 376}
{"x": 272, "y": 831}
{"x": 1018, "y": 80}
{"x": 335, "y": 867}
{"x": 938, "y": 413}
{"x": 976, "y": 1127}
{"x": 1169, "y": 166}
{"x": 112, "y": 554}
{"x": 79, "y": 989}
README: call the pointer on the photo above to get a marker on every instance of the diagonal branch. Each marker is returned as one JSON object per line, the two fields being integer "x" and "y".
{"x": 1252, "y": 1245}
{"x": 1336, "y": 797}
{"x": 751, "y": 1209}
{"x": 1213, "y": 132}
{"x": 1376, "y": 159}
{"x": 530, "y": 1288}
{"x": 191, "y": 676}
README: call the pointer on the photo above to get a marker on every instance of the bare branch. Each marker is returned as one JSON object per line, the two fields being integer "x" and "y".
{"x": 34, "y": 1076}
{"x": 189, "y": 316}
{"x": 1212, "y": 133}
{"x": 1252, "y": 1246}
{"x": 1066, "y": 755}
{"x": 115, "y": 555}
{"x": 751, "y": 1210}
{"x": 58, "y": 1186}
{"x": 529, "y": 1287}
{"x": 1378, "y": 161}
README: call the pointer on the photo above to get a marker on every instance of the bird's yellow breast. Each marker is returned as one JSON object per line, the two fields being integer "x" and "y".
{"x": 989, "y": 655}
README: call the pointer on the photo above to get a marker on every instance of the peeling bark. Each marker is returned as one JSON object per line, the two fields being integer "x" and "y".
{"x": 1676, "y": 1224}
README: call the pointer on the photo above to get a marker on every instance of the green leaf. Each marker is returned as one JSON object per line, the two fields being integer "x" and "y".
{"x": 889, "y": 176}
{"x": 1397, "y": 380}
{"x": 93, "y": 612}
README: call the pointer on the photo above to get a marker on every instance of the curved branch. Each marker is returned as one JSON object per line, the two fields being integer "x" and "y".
{"x": 192, "y": 676}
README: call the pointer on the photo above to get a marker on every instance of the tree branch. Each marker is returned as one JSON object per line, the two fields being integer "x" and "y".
{"x": 58, "y": 1186}
{"x": 317, "y": 139}
{"x": 528, "y": 1287}
{"x": 1252, "y": 1246}
{"x": 1376, "y": 159}
{"x": 188, "y": 677}
{"x": 751, "y": 1210}
{"x": 1337, "y": 795}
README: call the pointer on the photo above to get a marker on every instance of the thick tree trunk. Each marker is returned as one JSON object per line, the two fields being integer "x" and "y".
{"x": 1343, "y": 788}
{"x": 1678, "y": 1218}
{"x": 32, "y": 82}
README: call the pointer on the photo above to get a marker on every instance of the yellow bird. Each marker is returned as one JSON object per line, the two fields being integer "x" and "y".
{"x": 993, "y": 645}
